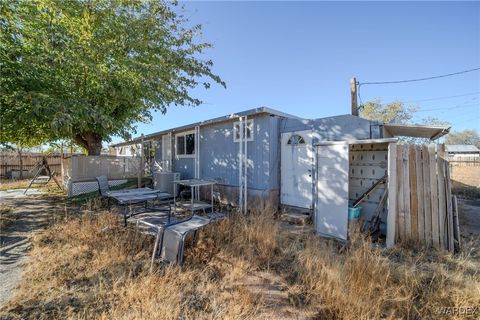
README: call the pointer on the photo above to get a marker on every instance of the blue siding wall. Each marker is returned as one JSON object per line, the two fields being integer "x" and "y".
{"x": 219, "y": 154}
{"x": 186, "y": 167}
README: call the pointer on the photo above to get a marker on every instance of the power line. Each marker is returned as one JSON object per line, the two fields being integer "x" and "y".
{"x": 436, "y": 98}
{"x": 450, "y": 108}
{"x": 427, "y": 99}
{"x": 419, "y": 79}
{"x": 468, "y": 120}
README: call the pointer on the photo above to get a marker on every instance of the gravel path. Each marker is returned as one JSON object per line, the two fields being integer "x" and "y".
{"x": 34, "y": 211}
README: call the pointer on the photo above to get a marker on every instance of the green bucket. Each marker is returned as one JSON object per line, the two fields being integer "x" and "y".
{"x": 354, "y": 213}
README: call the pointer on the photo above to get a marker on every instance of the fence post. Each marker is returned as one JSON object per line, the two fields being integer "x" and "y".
{"x": 140, "y": 170}
{"x": 392, "y": 194}
{"x": 442, "y": 204}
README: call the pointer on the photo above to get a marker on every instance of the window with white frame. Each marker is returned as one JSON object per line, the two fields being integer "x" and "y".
{"x": 185, "y": 144}
{"x": 247, "y": 133}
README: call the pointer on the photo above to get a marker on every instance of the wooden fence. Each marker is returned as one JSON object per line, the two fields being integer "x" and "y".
{"x": 10, "y": 161}
{"x": 426, "y": 211}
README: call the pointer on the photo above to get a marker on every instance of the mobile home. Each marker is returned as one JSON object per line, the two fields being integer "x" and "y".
{"x": 266, "y": 155}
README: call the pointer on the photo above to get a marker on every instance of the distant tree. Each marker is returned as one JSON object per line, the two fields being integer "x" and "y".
{"x": 395, "y": 112}
{"x": 86, "y": 70}
{"x": 466, "y": 136}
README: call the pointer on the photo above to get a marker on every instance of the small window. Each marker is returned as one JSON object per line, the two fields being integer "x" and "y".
{"x": 185, "y": 144}
{"x": 190, "y": 143}
{"x": 247, "y": 132}
{"x": 296, "y": 139}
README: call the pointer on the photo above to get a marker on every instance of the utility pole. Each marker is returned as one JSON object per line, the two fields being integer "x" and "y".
{"x": 353, "y": 91}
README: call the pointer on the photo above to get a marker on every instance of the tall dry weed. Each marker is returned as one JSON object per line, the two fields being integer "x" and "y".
{"x": 92, "y": 267}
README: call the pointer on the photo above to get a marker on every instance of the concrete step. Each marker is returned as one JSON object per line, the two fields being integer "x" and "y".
{"x": 296, "y": 218}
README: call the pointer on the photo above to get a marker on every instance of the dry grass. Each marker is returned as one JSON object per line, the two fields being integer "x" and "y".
{"x": 7, "y": 216}
{"x": 6, "y": 184}
{"x": 50, "y": 188}
{"x": 91, "y": 267}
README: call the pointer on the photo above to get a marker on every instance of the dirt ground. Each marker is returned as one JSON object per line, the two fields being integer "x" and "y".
{"x": 37, "y": 210}
{"x": 34, "y": 212}
{"x": 469, "y": 217}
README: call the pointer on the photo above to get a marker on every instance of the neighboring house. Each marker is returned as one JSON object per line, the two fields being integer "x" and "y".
{"x": 125, "y": 151}
{"x": 462, "y": 152}
{"x": 267, "y": 155}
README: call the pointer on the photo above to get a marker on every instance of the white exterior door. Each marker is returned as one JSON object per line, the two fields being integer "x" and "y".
{"x": 297, "y": 164}
{"x": 166, "y": 164}
{"x": 331, "y": 209}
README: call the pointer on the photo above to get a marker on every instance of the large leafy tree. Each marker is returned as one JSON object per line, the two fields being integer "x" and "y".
{"x": 86, "y": 70}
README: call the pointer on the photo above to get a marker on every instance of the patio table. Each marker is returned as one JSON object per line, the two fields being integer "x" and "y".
{"x": 112, "y": 193}
{"x": 127, "y": 199}
{"x": 194, "y": 205}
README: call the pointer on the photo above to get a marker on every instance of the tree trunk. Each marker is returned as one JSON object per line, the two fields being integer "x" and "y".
{"x": 92, "y": 142}
{"x": 19, "y": 150}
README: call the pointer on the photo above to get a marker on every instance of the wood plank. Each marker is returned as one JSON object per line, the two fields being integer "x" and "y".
{"x": 448, "y": 196}
{"x": 392, "y": 195}
{"x": 442, "y": 202}
{"x": 456, "y": 224}
{"x": 426, "y": 195}
{"x": 413, "y": 192}
{"x": 420, "y": 199}
{"x": 400, "y": 199}
{"x": 406, "y": 193}
{"x": 434, "y": 196}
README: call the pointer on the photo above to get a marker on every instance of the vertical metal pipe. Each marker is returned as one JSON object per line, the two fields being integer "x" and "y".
{"x": 197, "y": 160}
{"x": 141, "y": 166}
{"x": 170, "y": 165}
{"x": 240, "y": 165}
{"x": 245, "y": 186}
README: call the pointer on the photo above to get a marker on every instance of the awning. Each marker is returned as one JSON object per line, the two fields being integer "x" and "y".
{"x": 417, "y": 131}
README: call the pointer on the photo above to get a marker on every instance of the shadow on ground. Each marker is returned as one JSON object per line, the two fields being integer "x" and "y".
{"x": 34, "y": 212}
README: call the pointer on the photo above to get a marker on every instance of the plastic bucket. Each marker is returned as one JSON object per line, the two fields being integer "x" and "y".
{"x": 354, "y": 213}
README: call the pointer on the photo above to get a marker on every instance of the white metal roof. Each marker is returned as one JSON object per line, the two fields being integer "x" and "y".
{"x": 461, "y": 148}
{"x": 365, "y": 141}
{"x": 418, "y": 131}
{"x": 207, "y": 122}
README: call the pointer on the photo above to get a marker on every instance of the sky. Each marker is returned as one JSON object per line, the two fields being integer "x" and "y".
{"x": 299, "y": 57}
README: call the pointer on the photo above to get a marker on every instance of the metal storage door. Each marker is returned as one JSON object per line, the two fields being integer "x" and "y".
{"x": 331, "y": 210}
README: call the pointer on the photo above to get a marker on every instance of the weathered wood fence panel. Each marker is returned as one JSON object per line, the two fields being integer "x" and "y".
{"x": 425, "y": 212}
{"x": 10, "y": 161}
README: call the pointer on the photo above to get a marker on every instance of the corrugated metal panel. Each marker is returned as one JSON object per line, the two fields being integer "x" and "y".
{"x": 338, "y": 128}
{"x": 430, "y": 132}
{"x": 186, "y": 167}
{"x": 461, "y": 148}
{"x": 219, "y": 154}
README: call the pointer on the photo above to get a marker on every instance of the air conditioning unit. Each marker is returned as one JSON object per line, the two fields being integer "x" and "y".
{"x": 163, "y": 181}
